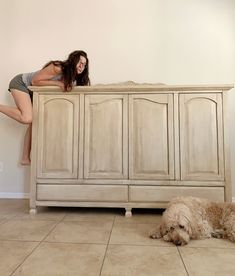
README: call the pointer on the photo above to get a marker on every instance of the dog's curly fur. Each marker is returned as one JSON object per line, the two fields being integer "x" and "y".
{"x": 196, "y": 218}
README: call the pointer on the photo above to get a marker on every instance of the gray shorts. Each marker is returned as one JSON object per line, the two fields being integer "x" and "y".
{"x": 17, "y": 83}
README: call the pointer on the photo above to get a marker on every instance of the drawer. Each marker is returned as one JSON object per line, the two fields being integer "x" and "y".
{"x": 162, "y": 194}
{"x": 110, "y": 193}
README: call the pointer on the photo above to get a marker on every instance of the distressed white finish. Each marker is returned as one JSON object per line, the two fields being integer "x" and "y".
{"x": 58, "y": 122}
{"x": 105, "y": 145}
{"x": 201, "y": 140}
{"x": 129, "y": 145}
{"x": 151, "y": 136}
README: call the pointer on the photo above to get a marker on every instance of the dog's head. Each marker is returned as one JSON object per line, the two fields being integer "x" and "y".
{"x": 177, "y": 224}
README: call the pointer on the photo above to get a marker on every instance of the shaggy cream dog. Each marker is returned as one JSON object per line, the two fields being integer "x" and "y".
{"x": 196, "y": 218}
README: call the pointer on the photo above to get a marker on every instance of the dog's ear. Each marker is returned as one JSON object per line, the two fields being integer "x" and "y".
{"x": 190, "y": 229}
{"x": 193, "y": 229}
{"x": 186, "y": 221}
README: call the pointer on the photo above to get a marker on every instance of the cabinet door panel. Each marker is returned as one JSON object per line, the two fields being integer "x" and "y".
{"x": 151, "y": 137}
{"x": 58, "y": 136}
{"x": 201, "y": 137}
{"x": 105, "y": 151}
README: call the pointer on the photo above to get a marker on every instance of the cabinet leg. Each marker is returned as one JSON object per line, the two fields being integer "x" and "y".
{"x": 33, "y": 211}
{"x": 128, "y": 212}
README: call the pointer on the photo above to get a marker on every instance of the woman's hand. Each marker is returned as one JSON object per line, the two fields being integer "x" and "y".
{"x": 61, "y": 85}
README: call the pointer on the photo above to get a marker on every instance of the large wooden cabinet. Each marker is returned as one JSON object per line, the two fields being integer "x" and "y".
{"x": 129, "y": 145}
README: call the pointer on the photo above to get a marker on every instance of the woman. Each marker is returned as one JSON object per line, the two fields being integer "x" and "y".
{"x": 65, "y": 74}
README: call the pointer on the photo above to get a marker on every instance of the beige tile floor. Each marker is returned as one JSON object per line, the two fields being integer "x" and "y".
{"x": 85, "y": 241}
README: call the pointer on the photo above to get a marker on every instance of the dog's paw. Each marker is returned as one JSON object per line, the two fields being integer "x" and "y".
{"x": 155, "y": 235}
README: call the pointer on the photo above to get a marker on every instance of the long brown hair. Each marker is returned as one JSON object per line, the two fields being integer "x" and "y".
{"x": 69, "y": 71}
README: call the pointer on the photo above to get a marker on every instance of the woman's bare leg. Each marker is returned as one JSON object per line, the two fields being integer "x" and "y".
{"x": 25, "y": 160}
{"x": 23, "y": 114}
{"x": 23, "y": 110}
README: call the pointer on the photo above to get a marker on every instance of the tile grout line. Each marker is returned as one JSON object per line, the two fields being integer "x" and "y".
{"x": 40, "y": 242}
{"x": 107, "y": 246}
{"x": 182, "y": 260}
{"x": 124, "y": 244}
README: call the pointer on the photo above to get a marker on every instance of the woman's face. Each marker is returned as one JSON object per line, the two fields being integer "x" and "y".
{"x": 81, "y": 65}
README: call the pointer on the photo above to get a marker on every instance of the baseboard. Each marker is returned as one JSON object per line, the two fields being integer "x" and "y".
{"x": 14, "y": 195}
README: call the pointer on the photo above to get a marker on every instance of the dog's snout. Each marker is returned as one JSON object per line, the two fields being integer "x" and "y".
{"x": 177, "y": 242}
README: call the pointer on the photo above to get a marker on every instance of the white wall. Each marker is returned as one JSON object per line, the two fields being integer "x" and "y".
{"x": 169, "y": 41}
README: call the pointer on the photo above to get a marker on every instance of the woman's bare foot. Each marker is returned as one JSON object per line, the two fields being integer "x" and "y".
{"x": 25, "y": 161}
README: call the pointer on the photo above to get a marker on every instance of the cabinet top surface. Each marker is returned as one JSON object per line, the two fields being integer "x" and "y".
{"x": 136, "y": 87}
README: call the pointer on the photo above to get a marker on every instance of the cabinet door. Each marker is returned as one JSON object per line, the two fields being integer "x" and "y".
{"x": 201, "y": 137}
{"x": 58, "y": 125}
{"x": 105, "y": 150}
{"x": 151, "y": 136}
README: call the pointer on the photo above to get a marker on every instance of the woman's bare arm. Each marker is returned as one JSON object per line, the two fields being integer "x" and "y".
{"x": 45, "y": 75}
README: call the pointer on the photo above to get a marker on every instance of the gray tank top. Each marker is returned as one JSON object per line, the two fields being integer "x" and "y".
{"x": 27, "y": 77}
